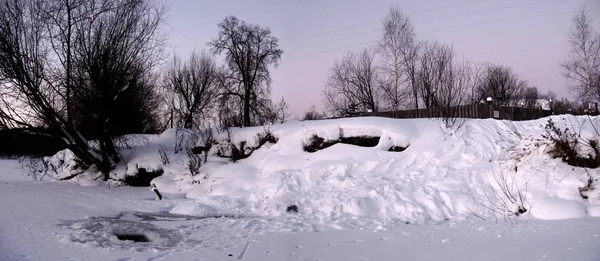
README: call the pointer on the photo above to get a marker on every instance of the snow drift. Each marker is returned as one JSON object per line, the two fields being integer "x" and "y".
{"x": 487, "y": 168}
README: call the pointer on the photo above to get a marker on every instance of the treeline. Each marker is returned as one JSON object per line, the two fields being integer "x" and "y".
{"x": 402, "y": 72}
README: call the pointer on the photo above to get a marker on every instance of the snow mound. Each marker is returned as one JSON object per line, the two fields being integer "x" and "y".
{"x": 487, "y": 168}
{"x": 443, "y": 174}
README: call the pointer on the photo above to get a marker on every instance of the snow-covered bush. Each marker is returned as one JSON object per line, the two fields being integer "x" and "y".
{"x": 567, "y": 144}
{"x": 229, "y": 149}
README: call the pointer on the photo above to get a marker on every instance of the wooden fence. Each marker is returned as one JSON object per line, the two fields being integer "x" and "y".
{"x": 475, "y": 111}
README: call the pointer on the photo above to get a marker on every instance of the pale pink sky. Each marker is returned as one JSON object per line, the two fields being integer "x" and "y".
{"x": 534, "y": 47}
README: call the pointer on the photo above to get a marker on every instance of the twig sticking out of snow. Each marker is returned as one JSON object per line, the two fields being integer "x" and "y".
{"x": 508, "y": 200}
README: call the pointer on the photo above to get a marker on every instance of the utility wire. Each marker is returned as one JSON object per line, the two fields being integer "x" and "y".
{"x": 179, "y": 32}
{"x": 378, "y": 21}
{"x": 490, "y": 10}
{"x": 444, "y": 7}
{"x": 429, "y": 20}
{"x": 503, "y": 20}
{"x": 446, "y": 28}
{"x": 335, "y": 40}
{"x": 331, "y": 50}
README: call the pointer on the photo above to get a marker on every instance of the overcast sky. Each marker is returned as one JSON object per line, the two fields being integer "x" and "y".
{"x": 533, "y": 46}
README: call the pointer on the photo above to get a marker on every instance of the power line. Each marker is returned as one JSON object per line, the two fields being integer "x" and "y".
{"x": 446, "y": 28}
{"x": 444, "y": 7}
{"x": 331, "y": 32}
{"x": 490, "y": 10}
{"x": 378, "y": 21}
{"x": 327, "y": 51}
{"x": 335, "y": 40}
{"x": 190, "y": 39}
{"x": 504, "y": 20}
{"x": 432, "y": 19}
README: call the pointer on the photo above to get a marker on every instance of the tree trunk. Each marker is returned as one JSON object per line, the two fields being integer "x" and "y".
{"x": 68, "y": 65}
{"x": 246, "y": 107}
{"x": 188, "y": 121}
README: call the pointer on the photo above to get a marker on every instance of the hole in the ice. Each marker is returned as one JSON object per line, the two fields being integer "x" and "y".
{"x": 133, "y": 237}
{"x": 292, "y": 209}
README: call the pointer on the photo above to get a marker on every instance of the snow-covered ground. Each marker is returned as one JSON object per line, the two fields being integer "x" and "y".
{"x": 436, "y": 200}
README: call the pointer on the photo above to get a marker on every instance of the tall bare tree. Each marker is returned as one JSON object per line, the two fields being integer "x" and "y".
{"x": 352, "y": 86}
{"x": 193, "y": 86}
{"x": 249, "y": 51}
{"x": 582, "y": 66}
{"x": 397, "y": 47}
{"x": 113, "y": 51}
{"x": 436, "y": 72}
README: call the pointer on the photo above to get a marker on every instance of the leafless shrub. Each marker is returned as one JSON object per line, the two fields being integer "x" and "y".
{"x": 164, "y": 157}
{"x": 179, "y": 140}
{"x": 566, "y": 143}
{"x": 195, "y": 160}
{"x": 590, "y": 185}
{"x": 313, "y": 114}
{"x": 506, "y": 200}
{"x": 34, "y": 167}
{"x": 209, "y": 140}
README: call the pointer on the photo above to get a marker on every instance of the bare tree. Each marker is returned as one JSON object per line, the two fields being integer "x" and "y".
{"x": 475, "y": 72}
{"x": 582, "y": 66}
{"x": 396, "y": 44}
{"x": 352, "y": 85}
{"x": 281, "y": 111}
{"x": 502, "y": 84}
{"x": 312, "y": 114}
{"x": 114, "y": 55}
{"x": 529, "y": 97}
{"x": 193, "y": 87}
{"x": 62, "y": 17}
{"x": 249, "y": 51}
{"x": 228, "y": 114}
{"x": 113, "y": 49}
{"x": 436, "y": 76}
